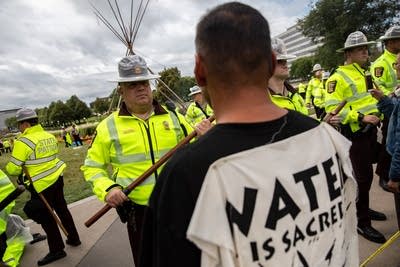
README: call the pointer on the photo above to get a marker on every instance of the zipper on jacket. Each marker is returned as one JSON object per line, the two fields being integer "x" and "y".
{"x": 147, "y": 127}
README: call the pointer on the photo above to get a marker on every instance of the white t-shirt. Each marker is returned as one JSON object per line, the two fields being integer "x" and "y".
{"x": 282, "y": 204}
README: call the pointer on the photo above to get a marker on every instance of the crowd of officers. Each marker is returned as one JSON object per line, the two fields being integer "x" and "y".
{"x": 138, "y": 134}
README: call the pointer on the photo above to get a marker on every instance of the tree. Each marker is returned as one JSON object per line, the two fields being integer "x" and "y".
{"x": 59, "y": 113}
{"x": 43, "y": 115}
{"x": 301, "y": 68}
{"x": 372, "y": 17}
{"x": 170, "y": 77}
{"x": 183, "y": 85}
{"x": 11, "y": 122}
{"x": 79, "y": 108}
{"x": 100, "y": 105}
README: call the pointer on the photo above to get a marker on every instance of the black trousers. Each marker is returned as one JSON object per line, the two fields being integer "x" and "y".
{"x": 135, "y": 232}
{"x": 37, "y": 211}
{"x": 384, "y": 158}
{"x": 362, "y": 157}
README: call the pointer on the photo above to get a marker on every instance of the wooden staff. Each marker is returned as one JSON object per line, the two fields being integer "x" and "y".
{"x": 11, "y": 197}
{"x": 329, "y": 115}
{"x": 145, "y": 175}
{"x": 49, "y": 208}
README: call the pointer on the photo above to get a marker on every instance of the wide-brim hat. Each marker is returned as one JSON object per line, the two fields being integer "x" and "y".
{"x": 355, "y": 39}
{"x": 316, "y": 67}
{"x": 392, "y": 33}
{"x": 24, "y": 114}
{"x": 279, "y": 48}
{"x": 133, "y": 69}
{"x": 194, "y": 90}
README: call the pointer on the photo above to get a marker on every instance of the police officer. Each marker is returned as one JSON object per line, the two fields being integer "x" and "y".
{"x": 199, "y": 109}
{"x": 38, "y": 150}
{"x": 313, "y": 94}
{"x": 282, "y": 93}
{"x": 131, "y": 140}
{"x": 359, "y": 118}
{"x": 384, "y": 74}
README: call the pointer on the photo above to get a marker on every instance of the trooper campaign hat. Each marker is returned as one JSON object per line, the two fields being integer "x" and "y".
{"x": 25, "y": 114}
{"x": 133, "y": 69}
{"x": 279, "y": 48}
{"x": 355, "y": 39}
{"x": 194, "y": 90}
{"x": 392, "y": 33}
{"x": 316, "y": 67}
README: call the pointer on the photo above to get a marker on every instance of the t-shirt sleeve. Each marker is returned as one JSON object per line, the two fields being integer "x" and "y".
{"x": 209, "y": 226}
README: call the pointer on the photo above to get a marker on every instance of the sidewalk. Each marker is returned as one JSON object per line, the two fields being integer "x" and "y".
{"x": 105, "y": 243}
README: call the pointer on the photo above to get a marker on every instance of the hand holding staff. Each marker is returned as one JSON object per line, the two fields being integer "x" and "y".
{"x": 49, "y": 208}
{"x": 329, "y": 115}
{"x": 145, "y": 175}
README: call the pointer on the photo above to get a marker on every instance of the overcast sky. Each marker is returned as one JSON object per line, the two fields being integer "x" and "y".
{"x": 53, "y": 49}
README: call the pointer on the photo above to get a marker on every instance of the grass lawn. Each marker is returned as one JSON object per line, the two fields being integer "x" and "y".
{"x": 75, "y": 186}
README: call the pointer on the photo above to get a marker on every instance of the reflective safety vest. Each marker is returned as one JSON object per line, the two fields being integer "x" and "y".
{"x": 195, "y": 114}
{"x": 302, "y": 88}
{"x": 292, "y": 101}
{"x": 312, "y": 89}
{"x": 131, "y": 146}
{"x": 348, "y": 83}
{"x": 37, "y": 150}
{"x": 6, "y": 187}
{"x": 384, "y": 73}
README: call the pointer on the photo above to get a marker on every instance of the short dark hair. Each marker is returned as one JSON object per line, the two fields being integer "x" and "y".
{"x": 234, "y": 38}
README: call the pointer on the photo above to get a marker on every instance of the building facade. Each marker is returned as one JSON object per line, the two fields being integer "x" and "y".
{"x": 5, "y": 114}
{"x": 298, "y": 44}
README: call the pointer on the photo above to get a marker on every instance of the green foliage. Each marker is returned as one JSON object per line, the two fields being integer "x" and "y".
{"x": 334, "y": 20}
{"x": 79, "y": 108}
{"x": 11, "y": 122}
{"x": 101, "y": 105}
{"x": 171, "y": 77}
{"x": 301, "y": 68}
{"x": 59, "y": 113}
{"x": 183, "y": 85}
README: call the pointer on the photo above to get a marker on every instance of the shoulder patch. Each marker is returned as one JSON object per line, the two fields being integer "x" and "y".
{"x": 331, "y": 87}
{"x": 378, "y": 72}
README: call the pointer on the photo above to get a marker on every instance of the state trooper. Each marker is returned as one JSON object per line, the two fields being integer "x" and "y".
{"x": 282, "y": 93}
{"x": 358, "y": 119}
{"x": 313, "y": 96}
{"x": 131, "y": 140}
{"x": 384, "y": 74}
{"x": 38, "y": 151}
{"x": 199, "y": 109}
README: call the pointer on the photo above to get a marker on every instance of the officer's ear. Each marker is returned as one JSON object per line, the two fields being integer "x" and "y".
{"x": 200, "y": 71}
{"x": 273, "y": 65}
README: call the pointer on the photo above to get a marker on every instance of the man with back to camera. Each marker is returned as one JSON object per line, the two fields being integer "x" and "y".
{"x": 234, "y": 62}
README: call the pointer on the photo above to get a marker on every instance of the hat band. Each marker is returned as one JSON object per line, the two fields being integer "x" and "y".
{"x": 133, "y": 72}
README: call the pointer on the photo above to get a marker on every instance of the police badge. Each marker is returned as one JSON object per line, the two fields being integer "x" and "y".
{"x": 331, "y": 87}
{"x": 378, "y": 71}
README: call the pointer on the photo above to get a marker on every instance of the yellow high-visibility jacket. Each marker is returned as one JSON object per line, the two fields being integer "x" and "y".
{"x": 37, "y": 150}
{"x": 348, "y": 83}
{"x": 131, "y": 145}
{"x": 195, "y": 115}
{"x": 292, "y": 101}
{"x": 6, "y": 187}
{"x": 312, "y": 89}
{"x": 302, "y": 88}
{"x": 384, "y": 73}
{"x": 15, "y": 246}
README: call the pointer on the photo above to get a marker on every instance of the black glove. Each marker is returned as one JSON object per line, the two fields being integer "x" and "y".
{"x": 126, "y": 212}
{"x": 20, "y": 179}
